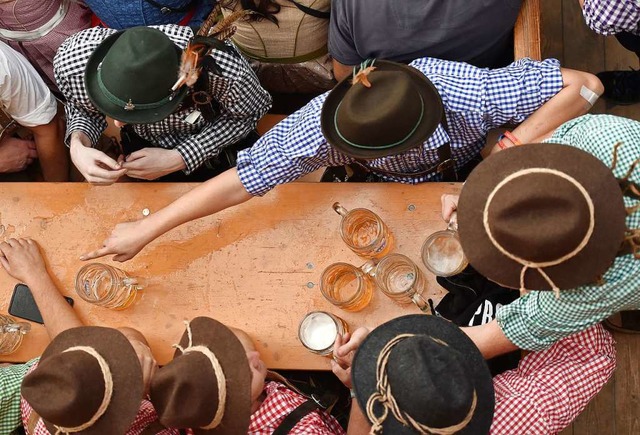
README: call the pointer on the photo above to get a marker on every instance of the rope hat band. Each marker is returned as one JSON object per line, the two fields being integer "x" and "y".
{"x": 220, "y": 377}
{"x": 384, "y": 396}
{"x": 526, "y": 264}
{"x": 108, "y": 390}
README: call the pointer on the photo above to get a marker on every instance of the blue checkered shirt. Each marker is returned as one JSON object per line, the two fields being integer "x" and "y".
{"x": 537, "y": 320}
{"x": 609, "y": 17}
{"x": 475, "y": 101}
{"x": 242, "y": 100}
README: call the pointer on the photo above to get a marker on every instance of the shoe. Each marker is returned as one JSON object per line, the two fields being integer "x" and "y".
{"x": 621, "y": 87}
{"x": 624, "y": 321}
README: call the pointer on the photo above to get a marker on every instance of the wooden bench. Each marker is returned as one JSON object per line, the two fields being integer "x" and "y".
{"x": 526, "y": 34}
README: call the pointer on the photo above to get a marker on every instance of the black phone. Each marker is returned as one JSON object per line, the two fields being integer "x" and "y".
{"x": 24, "y": 306}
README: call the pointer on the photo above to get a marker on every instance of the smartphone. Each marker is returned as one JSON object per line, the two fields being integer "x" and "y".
{"x": 24, "y": 306}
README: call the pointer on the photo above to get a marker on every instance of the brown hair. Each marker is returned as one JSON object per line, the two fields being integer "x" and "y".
{"x": 263, "y": 8}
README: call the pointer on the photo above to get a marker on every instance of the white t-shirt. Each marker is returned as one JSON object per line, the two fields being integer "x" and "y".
{"x": 23, "y": 94}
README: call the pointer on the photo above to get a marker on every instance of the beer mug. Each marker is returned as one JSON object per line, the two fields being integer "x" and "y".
{"x": 346, "y": 286}
{"x": 442, "y": 251}
{"x": 318, "y": 331}
{"x": 11, "y": 334}
{"x": 402, "y": 280}
{"x": 106, "y": 286}
{"x": 364, "y": 232}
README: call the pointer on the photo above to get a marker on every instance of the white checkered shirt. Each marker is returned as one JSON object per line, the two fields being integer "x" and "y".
{"x": 538, "y": 320}
{"x": 550, "y": 388}
{"x": 475, "y": 100}
{"x": 609, "y": 17}
{"x": 242, "y": 100}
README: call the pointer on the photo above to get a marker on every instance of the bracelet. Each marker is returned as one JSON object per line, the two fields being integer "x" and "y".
{"x": 512, "y": 138}
{"x": 502, "y": 145}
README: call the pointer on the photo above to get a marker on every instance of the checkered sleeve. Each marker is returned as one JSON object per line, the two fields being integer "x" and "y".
{"x": 291, "y": 149}
{"x": 242, "y": 102}
{"x": 550, "y": 388}
{"x": 608, "y": 17}
{"x": 10, "y": 380}
{"x": 68, "y": 66}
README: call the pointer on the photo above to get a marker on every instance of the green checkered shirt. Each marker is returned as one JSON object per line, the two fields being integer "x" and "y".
{"x": 537, "y": 320}
{"x": 10, "y": 380}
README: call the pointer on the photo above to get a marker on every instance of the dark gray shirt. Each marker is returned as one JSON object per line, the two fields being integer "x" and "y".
{"x": 474, "y": 31}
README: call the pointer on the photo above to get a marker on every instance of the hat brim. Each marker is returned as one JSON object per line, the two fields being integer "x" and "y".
{"x": 114, "y": 111}
{"x": 591, "y": 173}
{"x": 365, "y": 364}
{"x": 432, "y": 114}
{"x": 128, "y": 388}
{"x": 233, "y": 360}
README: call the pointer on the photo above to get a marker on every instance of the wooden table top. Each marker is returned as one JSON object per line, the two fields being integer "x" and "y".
{"x": 254, "y": 267}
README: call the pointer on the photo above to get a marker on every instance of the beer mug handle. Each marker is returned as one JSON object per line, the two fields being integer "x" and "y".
{"x": 453, "y": 222}
{"x": 421, "y": 303}
{"x": 21, "y": 327}
{"x": 370, "y": 267}
{"x": 340, "y": 209}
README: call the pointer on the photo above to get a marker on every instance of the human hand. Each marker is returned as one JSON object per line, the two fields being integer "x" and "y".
{"x": 16, "y": 154}
{"x": 152, "y": 163}
{"x": 125, "y": 241}
{"x": 94, "y": 165}
{"x": 449, "y": 206}
{"x": 343, "y": 351}
{"x": 21, "y": 258}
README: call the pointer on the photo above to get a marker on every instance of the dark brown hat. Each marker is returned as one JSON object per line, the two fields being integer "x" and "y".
{"x": 398, "y": 111}
{"x": 431, "y": 370}
{"x": 88, "y": 377}
{"x": 207, "y": 386}
{"x": 541, "y": 217}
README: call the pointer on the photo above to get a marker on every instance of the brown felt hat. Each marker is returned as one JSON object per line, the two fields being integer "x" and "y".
{"x": 187, "y": 393}
{"x": 69, "y": 385}
{"x": 399, "y": 111}
{"x": 551, "y": 213}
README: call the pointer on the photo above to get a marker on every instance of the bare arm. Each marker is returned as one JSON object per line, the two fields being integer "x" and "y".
{"x": 22, "y": 260}
{"x": 52, "y": 153}
{"x": 341, "y": 71}
{"x": 358, "y": 423}
{"x": 490, "y": 339}
{"x": 219, "y": 193}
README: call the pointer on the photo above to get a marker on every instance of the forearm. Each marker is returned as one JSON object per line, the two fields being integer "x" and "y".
{"x": 490, "y": 339}
{"x": 53, "y": 155}
{"x": 358, "y": 423}
{"x": 57, "y": 314}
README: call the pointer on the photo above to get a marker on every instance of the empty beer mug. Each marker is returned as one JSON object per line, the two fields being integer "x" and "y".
{"x": 364, "y": 232}
{"x": 11, "y": 334}
{"x": 442, "y": 251}
{"x": 318, "y": 331}
{"x": 106, "y": 286}
{"x": 402, "y": 280}
{"x": 346, "y": 286}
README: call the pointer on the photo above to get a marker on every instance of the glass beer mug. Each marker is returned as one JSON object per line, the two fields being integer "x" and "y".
{"x": 402, "y": 280}
{"x": 106, "y": 286}
{"x": 442, "y": 251}
{"x": 11, "y": 334}
{"x": 318, "y": 331}
{"x": 348, "y": 287}
{"x": 364, "y": 232}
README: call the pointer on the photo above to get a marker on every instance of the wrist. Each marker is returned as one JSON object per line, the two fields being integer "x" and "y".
{"x": 39, "y": 280}
{"x": 177, "y": 161}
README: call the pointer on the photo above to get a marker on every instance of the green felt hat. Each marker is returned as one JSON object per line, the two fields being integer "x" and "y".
{"x": 130, "y": 75}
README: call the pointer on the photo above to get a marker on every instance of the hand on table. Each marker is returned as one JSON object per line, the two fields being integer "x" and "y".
{"x": 125, "y": 241}
{"x": 152, "y": 163}
{"x": 343, "y": 351}
{"x": 449, "y": 205}
{"x": 16, "y": 154}
{"x": 21, "y": 258}
{"x": 94, "y": 165}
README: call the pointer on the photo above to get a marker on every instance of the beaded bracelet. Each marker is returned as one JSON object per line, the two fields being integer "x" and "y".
{"x": 512, "y": 138}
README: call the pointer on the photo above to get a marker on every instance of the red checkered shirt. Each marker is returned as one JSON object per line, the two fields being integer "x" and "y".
{"x": 146, "y": 416}
{"x": 551, "y": 387}
{"x": 279, "y": 403}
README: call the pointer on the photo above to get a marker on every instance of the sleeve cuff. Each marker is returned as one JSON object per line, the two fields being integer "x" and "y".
{"x": 42, "y": 115}
{"x": 250, "y": 176}
{"x": 85, "y": 126}
{"x": 192, "y": 155}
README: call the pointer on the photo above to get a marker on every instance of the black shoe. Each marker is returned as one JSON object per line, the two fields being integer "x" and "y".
{"x": 621, "y": 87}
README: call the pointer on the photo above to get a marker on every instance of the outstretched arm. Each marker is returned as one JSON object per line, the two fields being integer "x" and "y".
{"x": 219, "y": 193}
{"x": 22, "y": 260}
{"x": 53, "y": 155}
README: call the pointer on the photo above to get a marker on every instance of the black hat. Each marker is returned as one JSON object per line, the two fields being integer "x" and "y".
{"x": 130, "y": 74}
{"x": 389, "y": 108}
{"x": 431, "y": 370}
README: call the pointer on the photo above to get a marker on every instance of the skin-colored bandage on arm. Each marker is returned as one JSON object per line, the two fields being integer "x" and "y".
{"x": 589, "y": 95}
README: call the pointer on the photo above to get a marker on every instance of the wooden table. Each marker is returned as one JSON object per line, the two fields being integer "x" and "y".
{"x": 254, "y": 267}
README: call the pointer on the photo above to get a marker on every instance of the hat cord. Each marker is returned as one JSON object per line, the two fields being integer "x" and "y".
{"x": 220, "y": 377}
{"x": 108, "y": 391}
{"x": 384, "y": 397}
{"x": 526, "y": 264}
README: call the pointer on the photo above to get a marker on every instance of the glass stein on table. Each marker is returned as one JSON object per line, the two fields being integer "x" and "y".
{"x": 442, "y": 252}
{"x": 402, "y": 280}
{"x": 348, "y": 287}
{"x": 106, "y": 286}
{"x": 318, "y": 331}
{"x": 11, "y": 334}
{"x": 364, "y": 232}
